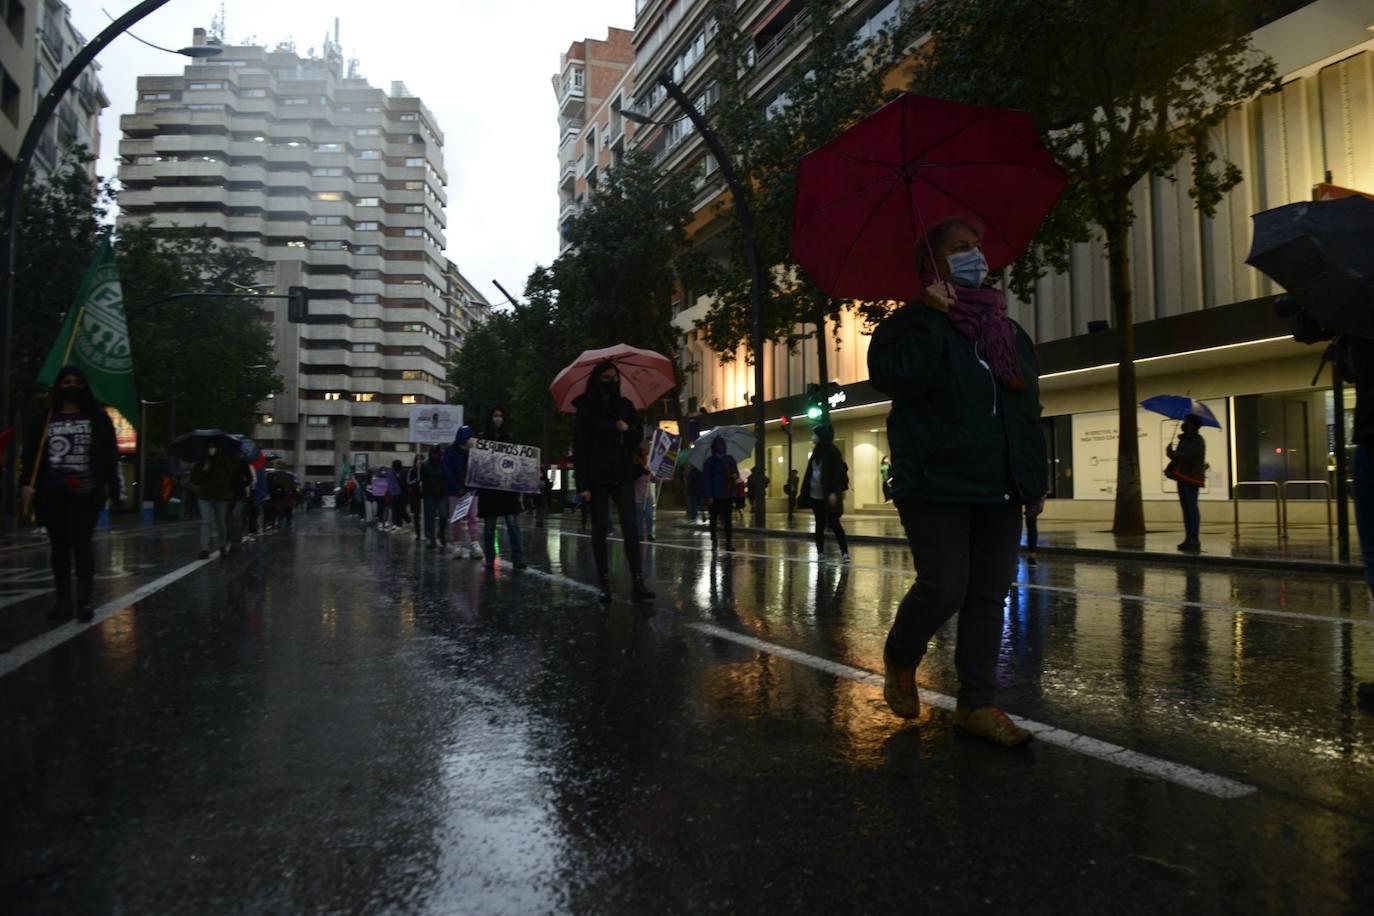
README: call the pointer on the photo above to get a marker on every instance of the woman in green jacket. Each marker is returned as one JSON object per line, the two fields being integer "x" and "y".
{"x": 968, "y": 459}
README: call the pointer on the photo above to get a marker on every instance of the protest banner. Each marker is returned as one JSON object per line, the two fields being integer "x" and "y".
{"x": 503, "y": 466}
{"x": 663, "y": 454}
{"x": 435, "y": 424}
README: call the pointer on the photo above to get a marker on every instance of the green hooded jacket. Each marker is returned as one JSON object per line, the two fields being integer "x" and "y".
{"x": 957, "y": 434}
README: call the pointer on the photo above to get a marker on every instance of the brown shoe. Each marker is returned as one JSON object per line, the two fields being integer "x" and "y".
{"x": 899, "y": 689}
{"x": 990, "y": 723}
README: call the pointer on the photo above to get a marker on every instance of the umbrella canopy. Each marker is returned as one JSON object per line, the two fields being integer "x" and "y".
{"x": 1321, "y": 252}
{"x": 247, "y": 447}
{"x": 739, "y": 444}
{"x": 1178, "y": 406}
{"x": 645, "y": 376}
{"x": 192, "y": 446}
{"x": 866, "y": 199}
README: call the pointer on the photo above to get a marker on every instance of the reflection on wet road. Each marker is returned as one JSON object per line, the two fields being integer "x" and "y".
{"x": 340, "y": 719}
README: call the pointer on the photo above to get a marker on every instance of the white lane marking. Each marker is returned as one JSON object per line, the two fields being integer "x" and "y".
{"x": 26, "y": 652}
{"x": 1111, "y": 596}
{"x": 1177, "y": 773}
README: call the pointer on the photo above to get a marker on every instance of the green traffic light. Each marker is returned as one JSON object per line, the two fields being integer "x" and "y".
{"x": 813, "y": 412}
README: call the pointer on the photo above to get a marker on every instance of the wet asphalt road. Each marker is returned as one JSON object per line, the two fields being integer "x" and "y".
{"x": 338, "y": 720}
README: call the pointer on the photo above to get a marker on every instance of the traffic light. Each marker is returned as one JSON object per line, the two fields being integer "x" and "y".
{"x": 786, "y": 422}
{"x": 815, "y": 406}
{"x": 297, "y": 304}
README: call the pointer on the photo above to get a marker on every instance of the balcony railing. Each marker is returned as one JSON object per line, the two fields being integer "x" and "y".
{"x": 53, "y": 39}
{"x": 799, "y": 22}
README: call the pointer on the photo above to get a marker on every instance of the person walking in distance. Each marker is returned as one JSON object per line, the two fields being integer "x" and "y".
{"x": 69, "y": 471}
{"x": 606, "y": 436}
{"x": 498, "y": 505}
{"x": 463, "y": 531}
{"x": 1188, "y": 469}
{"x": 823, "y": 487}
{"x": 644, "y": 497}
{"x": 212, "y": 481}
{"x": 434, "y": 493}
{"x": 415, "y": 495}
{"x": 968, "y": 460}
{"x": 720, "y": 475}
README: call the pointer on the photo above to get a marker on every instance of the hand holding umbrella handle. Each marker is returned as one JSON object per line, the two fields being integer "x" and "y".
{"x": 940, "y": 296}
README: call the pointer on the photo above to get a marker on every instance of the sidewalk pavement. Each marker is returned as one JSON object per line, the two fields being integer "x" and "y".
{"x": 1307, "y": 548}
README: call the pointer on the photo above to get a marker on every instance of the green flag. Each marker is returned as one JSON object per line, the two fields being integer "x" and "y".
{"x": 100, "y": 343}
{"x": 345, "y": 472}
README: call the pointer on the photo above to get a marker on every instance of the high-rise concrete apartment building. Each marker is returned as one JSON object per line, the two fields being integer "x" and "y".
{"x": 338, "y": 186}
{"x": 37, "y": 41}
{"x": 594, "y": 80}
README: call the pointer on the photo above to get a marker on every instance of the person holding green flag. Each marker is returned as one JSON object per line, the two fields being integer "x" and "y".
{"x": 69, "y": 470}
{"x": 70, "y": 464}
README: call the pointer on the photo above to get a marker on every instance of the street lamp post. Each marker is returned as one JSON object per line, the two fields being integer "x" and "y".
{"x": 746, "y": 224}
{"x": 14, "y": 193}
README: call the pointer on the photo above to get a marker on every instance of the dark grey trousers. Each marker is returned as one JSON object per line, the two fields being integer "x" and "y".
{"x": 965, "y": 556}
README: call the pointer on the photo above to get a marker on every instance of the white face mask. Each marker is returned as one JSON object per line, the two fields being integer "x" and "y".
{"x": 212, "y": 451}
{"x": 967, "y": 268}
{"x": 497, "y": 421}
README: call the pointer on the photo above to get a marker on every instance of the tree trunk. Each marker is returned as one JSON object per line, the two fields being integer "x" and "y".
{"x": 1130, "y": 509}
{"x": 822, "y": 340}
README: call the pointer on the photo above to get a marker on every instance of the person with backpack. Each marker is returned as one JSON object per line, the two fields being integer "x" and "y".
{"x": 823, "y": 486}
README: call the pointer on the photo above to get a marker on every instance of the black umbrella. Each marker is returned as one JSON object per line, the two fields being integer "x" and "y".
{"x": 1322, "y": 252}
{"x": 192, "y": 446}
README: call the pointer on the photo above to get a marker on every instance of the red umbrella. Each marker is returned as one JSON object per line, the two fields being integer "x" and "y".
{"x": 645, "y": 376}
{"x": 866, "y": 198}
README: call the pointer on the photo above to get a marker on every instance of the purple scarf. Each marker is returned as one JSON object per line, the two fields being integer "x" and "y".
{"x": 981, "y": 316}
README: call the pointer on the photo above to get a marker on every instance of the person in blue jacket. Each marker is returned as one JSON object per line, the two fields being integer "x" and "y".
{"x": 720, "y": 477}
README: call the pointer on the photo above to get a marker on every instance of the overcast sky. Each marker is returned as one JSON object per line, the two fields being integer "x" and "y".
{"x": 482, "y": 67}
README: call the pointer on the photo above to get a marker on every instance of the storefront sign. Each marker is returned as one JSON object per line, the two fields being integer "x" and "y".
{"x": 837, "y": 399}
{"x": 1094, "y": 454}
{"x": 663, "y": 455}
{"x": 126, "y": 437}
{"x": 503, "y": 466}
{"x": 435, "y": 424}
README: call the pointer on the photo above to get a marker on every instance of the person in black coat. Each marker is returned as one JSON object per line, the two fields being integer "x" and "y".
{"x": 493, "y": 505}
{"x": 822, "y": 488}
{"x": 606, "y": 437}
{"x": 434, "y": 492}
{"x": 70, "y": 468}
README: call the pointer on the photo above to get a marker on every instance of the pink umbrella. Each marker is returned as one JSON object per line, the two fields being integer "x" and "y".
{"x": 645, "y": 376}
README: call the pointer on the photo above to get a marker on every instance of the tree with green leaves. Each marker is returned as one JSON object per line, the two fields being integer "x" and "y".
{"x": 1124, "y": 91}
{"x": 205, "y": 339}
{"x": 839, "y": 79}
{"x": 630, "y": 254}
{"x": 205, "y": 347}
